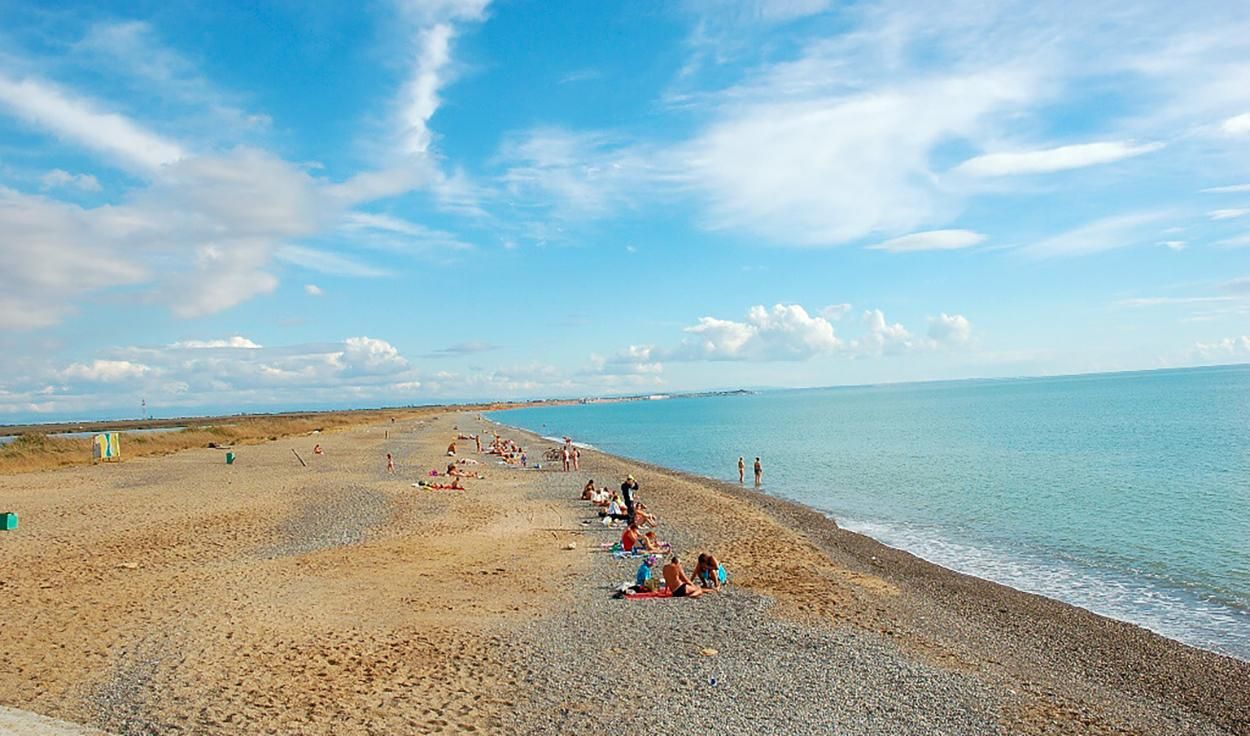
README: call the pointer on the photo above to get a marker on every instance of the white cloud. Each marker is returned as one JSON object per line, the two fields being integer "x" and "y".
{"x": 950, "y": 329}
{"x": 387, "y": 232}
{"x": 1156, "y": 301}
{"x": 419, "y": 99}
{"x": 1228, "y": 349}
{"x": 1108, "y": 233}
{"x": 786, "y": 332}
{"x": 313, "y": 290}
{"x": 1228, "y": 214}
{"x": 369, "y": 355}
{"x": 106, "y": 371}
{"x": 834, "y": 167}
{"x": 1174, "y": 244}
{"x": 235, "y": 342}
{"x": 835, "y": 312}
{"x": 881, "y": 337}
{"x": 1232, "y": 188}
{"x": 931, "y": 240}
{"x": 84, "y": 123}
{"x": 1240, "y": 241}
{"x": 1237, "y": 125}
{"x": 61, "y": 178}
{"x": 1053, "y": 159}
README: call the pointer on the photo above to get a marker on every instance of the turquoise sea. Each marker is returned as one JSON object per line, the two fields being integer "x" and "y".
{"x": 1127, "y": 494}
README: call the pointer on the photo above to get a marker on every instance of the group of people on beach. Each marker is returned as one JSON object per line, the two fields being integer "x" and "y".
{"x": 624, "y": 505}
{"x": 742, "y": 471}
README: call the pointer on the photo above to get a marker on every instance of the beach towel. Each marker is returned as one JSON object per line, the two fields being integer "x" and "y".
{"x": 662, "y": 593}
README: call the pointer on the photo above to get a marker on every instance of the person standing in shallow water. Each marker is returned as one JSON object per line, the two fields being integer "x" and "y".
{"x": 742, "y": 470}
{"x": 759, "y": 472}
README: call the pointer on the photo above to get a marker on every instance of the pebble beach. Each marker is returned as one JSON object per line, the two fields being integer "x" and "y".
{"x": 181, "y": 595}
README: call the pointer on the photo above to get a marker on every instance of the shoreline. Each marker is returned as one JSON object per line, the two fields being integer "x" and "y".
{"x": 1110, "y": 652}
{"x": 731, "y": 486}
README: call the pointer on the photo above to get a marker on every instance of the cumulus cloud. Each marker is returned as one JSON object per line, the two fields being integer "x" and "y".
{"x": 785, "y": 332}
{"x": 950, "y": 329}
{"x": 313, "y": 290}
{"x": 931, "y": 240}
{"x": 1053, "y": 159}
{"x": 1228, "y": 349}
{"x": 881, "y": 337}
{"x": 1177, "y": 245}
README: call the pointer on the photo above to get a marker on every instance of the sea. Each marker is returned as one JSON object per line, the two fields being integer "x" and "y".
{"x": 1127, "y": 494}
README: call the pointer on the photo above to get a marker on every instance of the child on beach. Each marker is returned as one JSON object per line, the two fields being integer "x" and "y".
{"x": 390, "y": 463}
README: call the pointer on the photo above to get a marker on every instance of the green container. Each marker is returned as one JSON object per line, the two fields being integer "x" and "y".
{"x": 229, "y": 458}
{"x": 8, "y": 521}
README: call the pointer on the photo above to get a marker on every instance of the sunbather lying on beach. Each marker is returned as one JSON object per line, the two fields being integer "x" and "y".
{"x": 709, "y": 572}
{"x": 676, "y": 580}
{"x": 652, "y": 544}
{"x": 458, "y": 473}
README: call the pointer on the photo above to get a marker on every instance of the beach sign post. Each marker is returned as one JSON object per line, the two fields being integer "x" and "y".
{"x": 106, "y": 447}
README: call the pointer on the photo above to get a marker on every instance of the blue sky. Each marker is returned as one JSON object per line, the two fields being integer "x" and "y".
{"x": 220, "y": 208}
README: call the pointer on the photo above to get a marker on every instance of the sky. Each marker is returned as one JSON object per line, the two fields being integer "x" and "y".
{"x": 222, "y": 207}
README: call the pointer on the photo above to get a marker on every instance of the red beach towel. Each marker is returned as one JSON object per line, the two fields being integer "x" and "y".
{"x": 663, "y": 593}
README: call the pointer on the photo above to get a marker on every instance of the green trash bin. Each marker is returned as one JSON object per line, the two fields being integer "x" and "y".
{"x": 229, "y": 458}
{"x": 8, "y": 521}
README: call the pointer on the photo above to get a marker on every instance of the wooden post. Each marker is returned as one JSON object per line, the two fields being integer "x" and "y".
{"x": 297, "y": 457}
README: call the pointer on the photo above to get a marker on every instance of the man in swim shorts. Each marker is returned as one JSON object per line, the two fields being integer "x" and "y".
{"x": 678, "y": 584}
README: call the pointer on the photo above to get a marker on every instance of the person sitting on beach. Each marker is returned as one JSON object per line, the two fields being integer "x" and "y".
{"x": 451, "y": 449}
{"x": 588, "y": 491}
{"x": 317, "y": 450}
{"x": 601, "y": 497}
{"x": 708, "y": 571}
{"x": 644, "y": 517}
{"x": 677, "y": 582}
{"x": 645, "y": 580}
{"x": 631, "y": 538}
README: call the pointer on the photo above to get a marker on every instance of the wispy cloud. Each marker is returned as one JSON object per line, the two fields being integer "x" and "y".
{"x": 931, "y": 240}
{"x": 1108, "y": 233}
{"x": 472, "y": 347}
{"x": 86, "y": 123}
{"x": 1228, "y": 214}
{"x": 1050, "y": 160}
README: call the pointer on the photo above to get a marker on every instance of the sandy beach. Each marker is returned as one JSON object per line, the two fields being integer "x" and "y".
{"x": 179, "y": 594}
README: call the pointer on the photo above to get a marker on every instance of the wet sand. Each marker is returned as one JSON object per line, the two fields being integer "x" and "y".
{"x": 182, "y": 595}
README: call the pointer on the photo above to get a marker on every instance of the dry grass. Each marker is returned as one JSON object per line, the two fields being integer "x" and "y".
{"x": 34, "y": 452}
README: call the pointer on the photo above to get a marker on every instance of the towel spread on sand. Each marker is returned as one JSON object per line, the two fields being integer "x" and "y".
{"x": 663, "y": 593}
